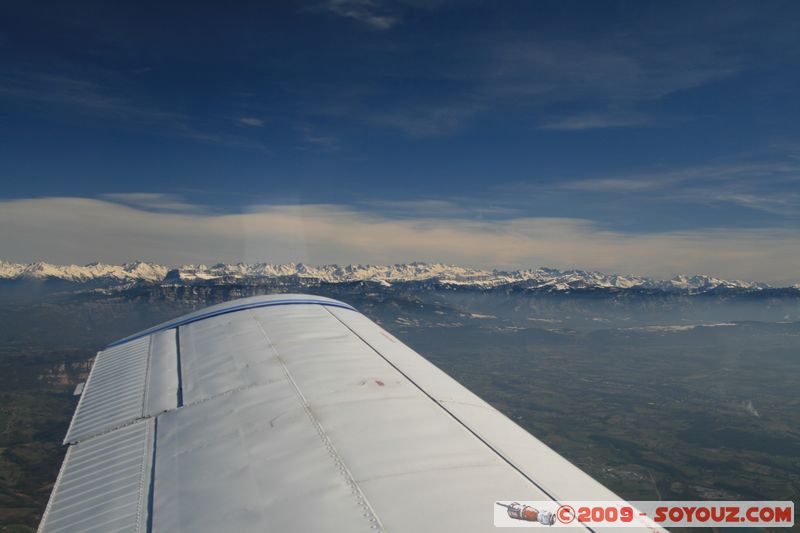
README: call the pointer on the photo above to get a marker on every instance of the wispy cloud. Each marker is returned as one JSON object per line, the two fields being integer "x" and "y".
{"x": 593, "y": 121}
{"x": 613, "y": 82}
{"x": 436, "y": 208}
{"x": 251, "y": 121}
{"x": 605, "y": 69}
{"x": 426, "y": 121}
{"x": 782, "y": 203}
{"x": 149, "y": 201}
{"x": 313, "y": 139}
{"x": 113, "y": 102}
{"x": 371, "y": 13}
{"x": 82, "y": 229}
{"x": 768, "y": 186}
{"x": 326, "y": 142}
{"x": 82, "y": 94}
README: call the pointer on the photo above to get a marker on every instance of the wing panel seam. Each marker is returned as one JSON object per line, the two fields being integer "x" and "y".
{"x": 151, "y": 489}
{"x": 456, "y": 418}
{"x": 179, "y": 393}
{"x": 148, "y": 362}
{"x": 370, "y": 513}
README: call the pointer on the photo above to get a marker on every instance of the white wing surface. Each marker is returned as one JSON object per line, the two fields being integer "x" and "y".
{"x": 290, "y": 413}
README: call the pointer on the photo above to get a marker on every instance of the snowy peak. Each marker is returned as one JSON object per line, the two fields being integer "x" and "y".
{"x": 333, "y": 273}
{"x": 540, "y": 278}
{"x": 129, "y": 272}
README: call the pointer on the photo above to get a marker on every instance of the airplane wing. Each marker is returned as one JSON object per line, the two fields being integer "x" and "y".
{"x": 290, "y": 413}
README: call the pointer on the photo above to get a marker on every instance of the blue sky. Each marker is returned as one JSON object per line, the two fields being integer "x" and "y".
{"x": 648, "y": 121}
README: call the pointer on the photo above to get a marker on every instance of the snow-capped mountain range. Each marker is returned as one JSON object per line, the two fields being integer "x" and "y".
{"x": 99, "y": 274}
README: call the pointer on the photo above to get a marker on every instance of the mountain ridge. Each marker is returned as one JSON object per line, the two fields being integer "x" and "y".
{"x": 141, "y": 272}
